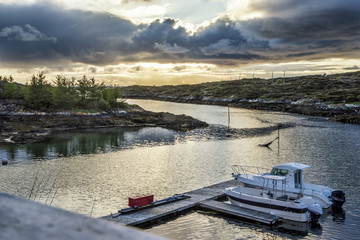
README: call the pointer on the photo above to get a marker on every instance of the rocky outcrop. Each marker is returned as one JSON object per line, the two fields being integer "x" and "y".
{"x": 30, "y": 127}
{"x": 166, "y": 120}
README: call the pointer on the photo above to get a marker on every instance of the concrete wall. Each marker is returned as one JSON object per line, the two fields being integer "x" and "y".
{"x": 26, "y": 220}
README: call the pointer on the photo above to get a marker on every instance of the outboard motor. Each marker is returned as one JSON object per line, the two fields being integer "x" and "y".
{"x": 338, "y": 198}
{"x": 315, "y": 212}
{"x": 314, "y": 208}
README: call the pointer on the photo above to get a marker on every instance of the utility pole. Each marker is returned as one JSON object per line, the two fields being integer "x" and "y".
{"x": 228, "y": 117}
{"x": 284, "y": 76}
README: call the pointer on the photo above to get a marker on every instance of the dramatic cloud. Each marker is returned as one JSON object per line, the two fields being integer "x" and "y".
{"x": 295, "y": 8}
{"x": 287, "y": 31}
{"x": 220, "y": 39}
{"x": 161, "y": 33}
{"x": 85, "y": 37}
{"x": 312, "y": 24}
{"x": 26, "y": 33}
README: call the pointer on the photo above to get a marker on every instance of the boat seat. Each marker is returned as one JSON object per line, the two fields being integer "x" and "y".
{"x": 282, "y": 198}
{"x": 270, "y": 194}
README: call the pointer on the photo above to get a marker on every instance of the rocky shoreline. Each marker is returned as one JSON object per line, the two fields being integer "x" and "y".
{"x": 30, "y": 127}
{"x": 345, "y": 113}
{"x": 19, "y": 126}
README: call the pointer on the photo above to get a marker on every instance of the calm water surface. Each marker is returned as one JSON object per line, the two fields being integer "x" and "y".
{"x": 93, "y": 172}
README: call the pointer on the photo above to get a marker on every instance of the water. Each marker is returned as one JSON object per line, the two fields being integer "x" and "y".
{"x": 93, "y": 172}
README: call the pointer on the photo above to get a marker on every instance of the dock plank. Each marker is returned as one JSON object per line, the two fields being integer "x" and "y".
{"x": 203, "y": 197}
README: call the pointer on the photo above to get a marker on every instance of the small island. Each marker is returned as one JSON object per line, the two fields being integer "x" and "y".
{"x": 30, "y": 113}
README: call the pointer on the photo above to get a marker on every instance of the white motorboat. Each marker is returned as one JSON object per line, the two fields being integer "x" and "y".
{"x": 295, "y": 185}
{"x": 274, "y": 200}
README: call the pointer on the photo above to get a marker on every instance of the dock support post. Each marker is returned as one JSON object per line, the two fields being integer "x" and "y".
{"x": 278, "y": 137}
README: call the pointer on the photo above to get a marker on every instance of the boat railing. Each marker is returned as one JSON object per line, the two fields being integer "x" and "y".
{"x": 239, "y": 169}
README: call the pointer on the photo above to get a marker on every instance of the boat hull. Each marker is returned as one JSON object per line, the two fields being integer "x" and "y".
{"x": 285, "y": 209}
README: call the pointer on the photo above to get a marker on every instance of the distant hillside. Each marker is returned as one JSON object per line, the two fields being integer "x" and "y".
{"x": 319, "y": 88}
{"x": 336, "y": 95}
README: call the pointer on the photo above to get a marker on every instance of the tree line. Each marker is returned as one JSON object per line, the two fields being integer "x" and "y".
{"x": 63, "y": 93}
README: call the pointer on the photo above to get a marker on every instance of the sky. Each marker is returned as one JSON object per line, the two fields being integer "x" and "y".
{"x": 157, "y": 42}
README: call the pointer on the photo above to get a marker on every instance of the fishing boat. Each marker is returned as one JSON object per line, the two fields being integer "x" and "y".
{"x": 295, "y": 185}
{"x": 274, "y": 200}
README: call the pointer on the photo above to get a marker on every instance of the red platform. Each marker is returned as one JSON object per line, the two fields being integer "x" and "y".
{"x": 141, "y": 201}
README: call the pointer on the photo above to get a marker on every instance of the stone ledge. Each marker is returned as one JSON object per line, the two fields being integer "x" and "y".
{"x": 27, "y": 220}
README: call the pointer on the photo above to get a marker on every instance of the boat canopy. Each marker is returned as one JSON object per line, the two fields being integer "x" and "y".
{"x": 292, "y": 166}
{"x": 273, "y": 177}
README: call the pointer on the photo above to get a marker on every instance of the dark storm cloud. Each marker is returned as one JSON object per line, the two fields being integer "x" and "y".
{"x": 161, "y": 33}
{"x": 287, "y": 8}
{"x": 25, "y": 33}
{"x": 221, "y": 39}
{"x": 73, "y": 35}
{"x": 224, "y": 39}
{"x": 309, "y": 28}
{"x": 331, "y": 24}
{"x": 290, "y": 30}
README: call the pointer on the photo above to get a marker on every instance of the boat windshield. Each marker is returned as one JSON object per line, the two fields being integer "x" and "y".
{"x": 279, "y": 172}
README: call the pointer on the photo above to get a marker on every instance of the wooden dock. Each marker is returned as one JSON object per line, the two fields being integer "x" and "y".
{"x": 203, "y": 198}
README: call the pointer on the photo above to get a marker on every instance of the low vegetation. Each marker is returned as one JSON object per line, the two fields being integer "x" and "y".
{"x": 331, "y": 89}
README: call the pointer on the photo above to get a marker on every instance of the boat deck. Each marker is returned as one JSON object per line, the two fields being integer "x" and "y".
{"x": 204, "y": 198}
{"x": 234, "y": 211}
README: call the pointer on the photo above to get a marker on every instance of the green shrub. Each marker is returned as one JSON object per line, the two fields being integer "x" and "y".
{"x": 279, "y": 81}
{"x": 104, "y": 105}
{"x": 12, "y": 90}
{"x": 37, "y": 93}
